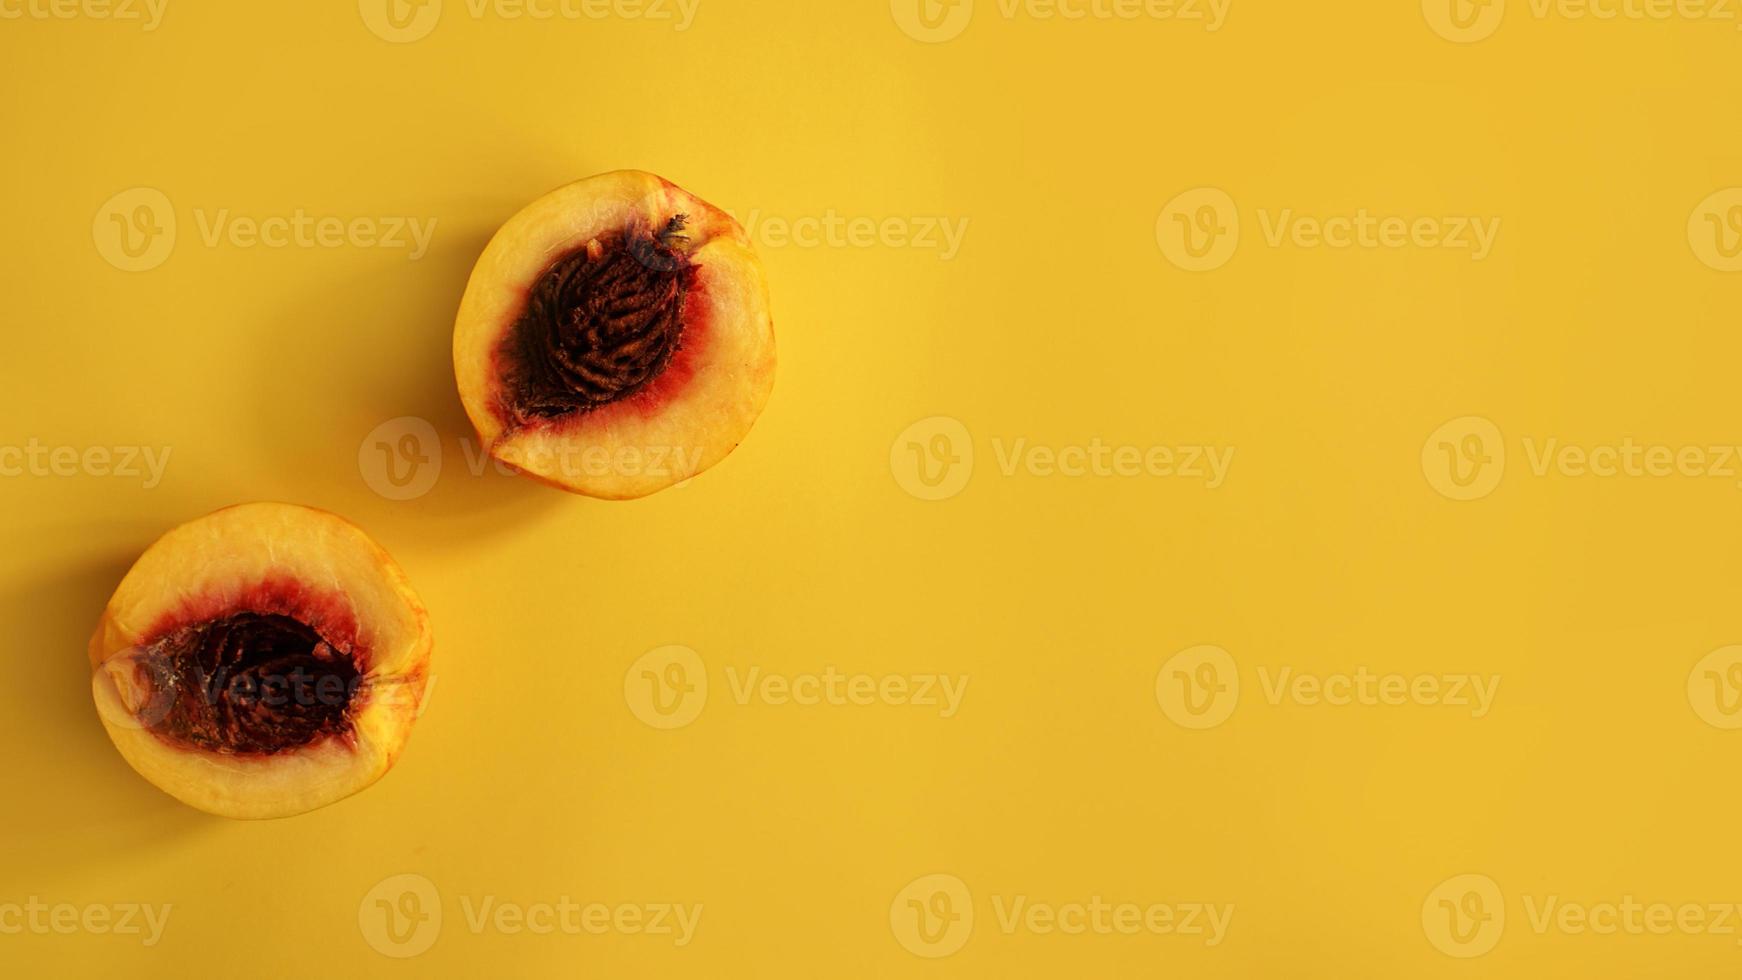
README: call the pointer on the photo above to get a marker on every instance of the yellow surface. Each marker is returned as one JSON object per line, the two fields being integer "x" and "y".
{"x": 1603, "y": 311}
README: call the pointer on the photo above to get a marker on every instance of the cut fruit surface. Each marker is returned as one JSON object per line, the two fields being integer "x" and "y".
{"x": 615, "y": 337}
{"x": 261, "y": 661}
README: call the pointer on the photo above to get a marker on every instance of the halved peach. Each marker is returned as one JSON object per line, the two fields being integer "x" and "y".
{"x": 615, "y": 337}
{"x": 261, "y": 661}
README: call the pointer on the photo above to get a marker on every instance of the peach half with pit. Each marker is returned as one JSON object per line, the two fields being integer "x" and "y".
{"x": 615, "y": 337}
{"x": 261, "y": 661}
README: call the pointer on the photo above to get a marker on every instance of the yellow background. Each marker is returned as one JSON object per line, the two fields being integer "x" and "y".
{"x": 1059, "y": 321}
